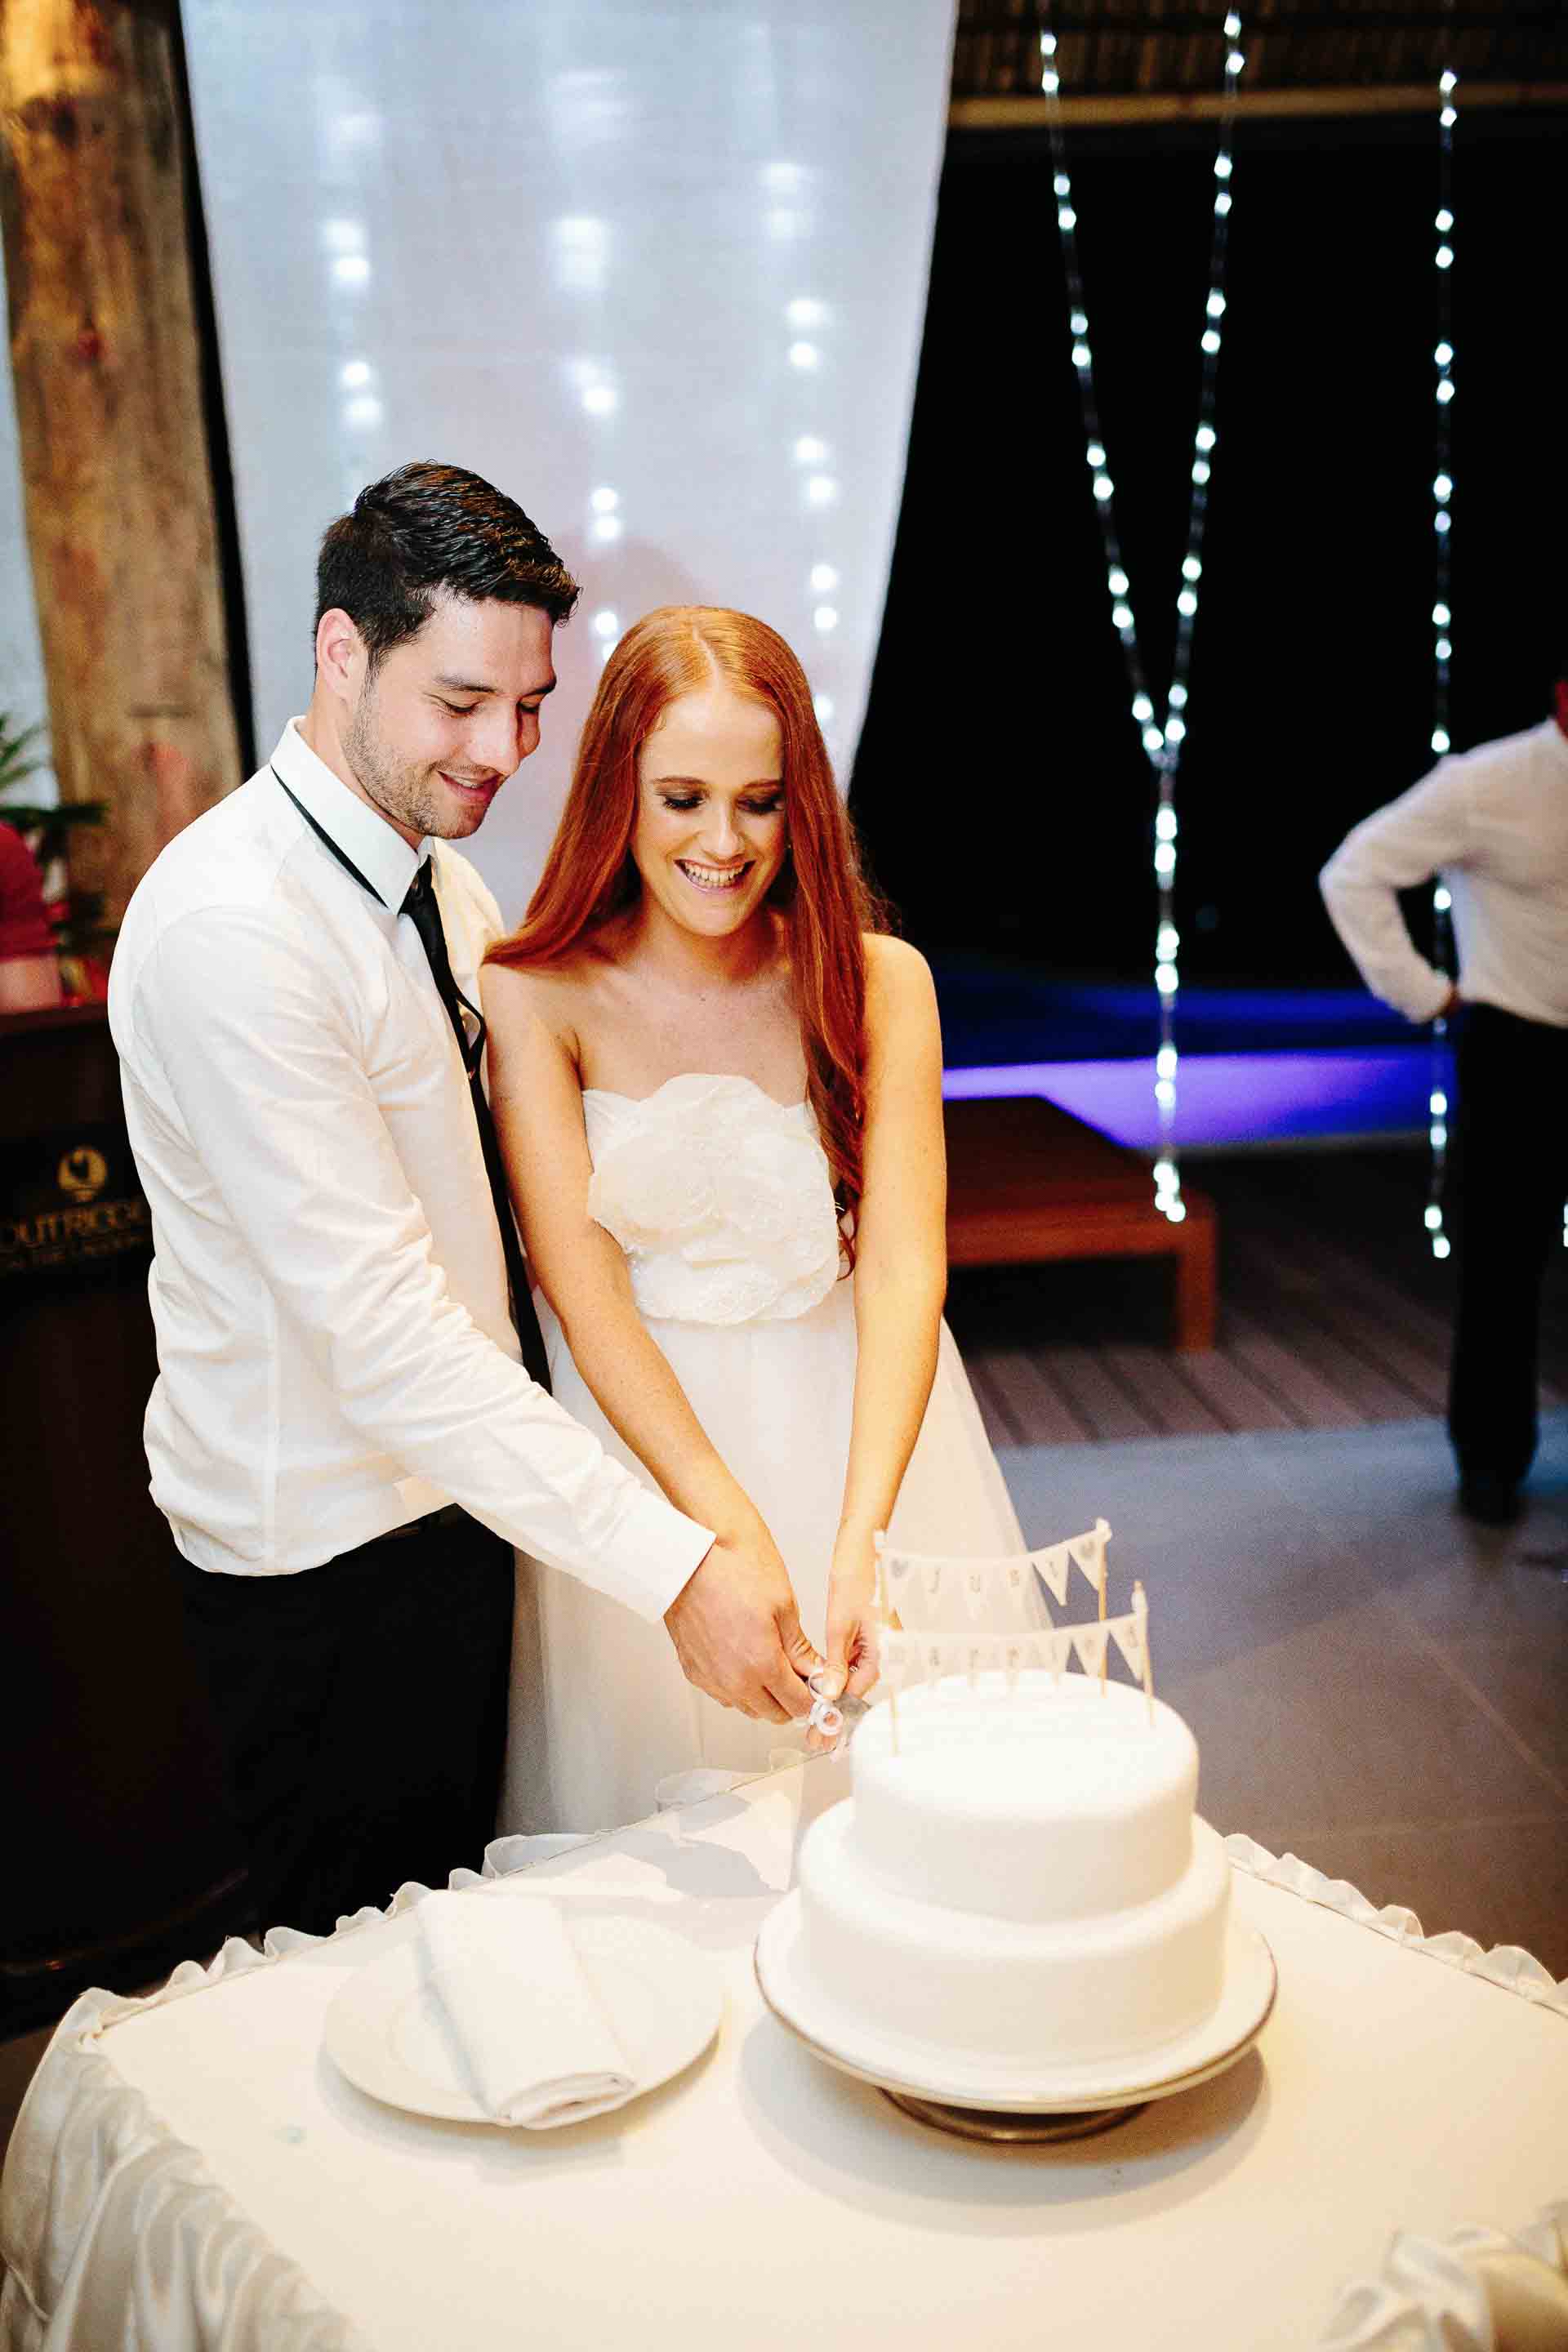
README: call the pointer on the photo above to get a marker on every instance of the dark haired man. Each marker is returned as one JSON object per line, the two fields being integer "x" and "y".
{"x": 1494, "y": 824}
{"x": 341, "y": 1435}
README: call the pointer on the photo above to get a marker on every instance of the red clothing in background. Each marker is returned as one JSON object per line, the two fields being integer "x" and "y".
{"x": 24, "y": 925}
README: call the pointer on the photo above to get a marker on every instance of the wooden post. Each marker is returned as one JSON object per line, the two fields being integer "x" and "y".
{"x": 94, "y": 167}
{"x": 885, "y": 1612}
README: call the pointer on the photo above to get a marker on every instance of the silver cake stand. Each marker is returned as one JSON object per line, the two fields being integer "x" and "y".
{"x": 1021, "y": 2131}
{"x": 1073, "y": 2107}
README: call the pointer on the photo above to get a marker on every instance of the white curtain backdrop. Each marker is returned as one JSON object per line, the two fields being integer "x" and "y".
{"x": 658, "y": 270}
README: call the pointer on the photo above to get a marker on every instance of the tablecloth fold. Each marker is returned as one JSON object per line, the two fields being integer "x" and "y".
{"x": 1477, "y": 2290}
{"x": 1505, "y": 1963}
{"x": 114, "y": 2233}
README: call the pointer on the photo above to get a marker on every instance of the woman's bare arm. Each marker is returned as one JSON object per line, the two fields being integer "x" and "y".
{"x": 900, "y": 1278}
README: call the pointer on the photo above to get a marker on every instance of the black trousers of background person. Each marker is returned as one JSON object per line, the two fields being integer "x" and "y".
{"x": 361, "y": 1710}
{"x": 1508, "y": 1181}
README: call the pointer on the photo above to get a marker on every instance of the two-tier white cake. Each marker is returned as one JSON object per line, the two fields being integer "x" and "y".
{"x": 1024, "y": 1880}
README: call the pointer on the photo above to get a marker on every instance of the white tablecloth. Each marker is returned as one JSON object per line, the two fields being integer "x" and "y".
{"x": 191, "y": 2172}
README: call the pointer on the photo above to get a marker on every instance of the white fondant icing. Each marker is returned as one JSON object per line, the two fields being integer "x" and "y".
{"x": 1025, "y": 1879}
{"x": 1057, "y": 1799}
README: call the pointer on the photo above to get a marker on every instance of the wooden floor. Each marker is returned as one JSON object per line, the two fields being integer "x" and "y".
{"x": 1334, "y": 1315}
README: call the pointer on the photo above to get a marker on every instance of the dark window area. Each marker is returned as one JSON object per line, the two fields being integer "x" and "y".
{"x": 1000, "y": 785}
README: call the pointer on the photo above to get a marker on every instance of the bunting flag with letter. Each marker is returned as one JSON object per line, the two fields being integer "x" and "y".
{"x": 1127, "y": 1632}
{"x": 978, "y": 1592}
{"x": 1088, "y": 1552}
{"x": 1088, "y": 1643}
{"x": 1017, "y": 1589}
{"x": 897, "y": 1568}
{"x": 1055, "y": 1567}
{"x": 1058, "y": 1649}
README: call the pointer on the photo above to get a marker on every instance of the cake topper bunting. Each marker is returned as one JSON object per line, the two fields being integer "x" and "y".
{"x": 983, "y": 1618}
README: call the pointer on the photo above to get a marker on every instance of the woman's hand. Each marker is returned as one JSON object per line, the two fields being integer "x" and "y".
{"x": 852, "y": 1627}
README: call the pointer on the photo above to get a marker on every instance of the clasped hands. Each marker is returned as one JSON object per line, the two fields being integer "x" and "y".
{"x": 737, "y": 1631}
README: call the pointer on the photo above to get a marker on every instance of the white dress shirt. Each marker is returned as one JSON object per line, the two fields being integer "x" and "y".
{"x": 1494, "y": 824}
{"x": 335, "y": 1352}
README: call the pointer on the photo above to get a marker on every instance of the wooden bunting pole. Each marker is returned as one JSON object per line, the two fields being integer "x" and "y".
{"x": 1140, "y": 1611}
{"x": 884, "y": 1611}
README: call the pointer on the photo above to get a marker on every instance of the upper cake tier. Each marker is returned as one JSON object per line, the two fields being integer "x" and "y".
{"x": 1058, "y": 1799}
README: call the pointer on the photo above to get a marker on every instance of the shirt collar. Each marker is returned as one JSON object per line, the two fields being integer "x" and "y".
{"x": 382, "y": 857}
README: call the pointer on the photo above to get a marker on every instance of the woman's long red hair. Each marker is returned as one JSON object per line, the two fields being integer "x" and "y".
{"x": 826, "y": 904}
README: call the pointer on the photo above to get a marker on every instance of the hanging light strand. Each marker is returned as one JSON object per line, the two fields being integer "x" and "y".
{"x": 1162, "y": 742}
{"x": 1442, "y": 623}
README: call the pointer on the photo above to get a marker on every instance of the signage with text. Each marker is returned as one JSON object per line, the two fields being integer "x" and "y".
{"x": 69, "y": 1198}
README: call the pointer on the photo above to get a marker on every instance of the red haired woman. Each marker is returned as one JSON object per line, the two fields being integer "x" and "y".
{"x": 718, "y": 1084}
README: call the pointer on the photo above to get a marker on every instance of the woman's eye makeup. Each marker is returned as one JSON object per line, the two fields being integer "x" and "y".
{"x": 683, "y": 802}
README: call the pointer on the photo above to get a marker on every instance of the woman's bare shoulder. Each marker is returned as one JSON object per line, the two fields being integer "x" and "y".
{"x": 895, "y": 972}
{"x": 550, "y": 990}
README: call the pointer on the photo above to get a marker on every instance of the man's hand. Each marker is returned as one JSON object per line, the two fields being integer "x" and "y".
{"x": 737, "y": 1631}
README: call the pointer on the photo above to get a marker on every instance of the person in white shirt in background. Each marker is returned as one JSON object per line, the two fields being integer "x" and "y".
{"x": 341, "y": 1434}
{"x": 1493, "y": 823}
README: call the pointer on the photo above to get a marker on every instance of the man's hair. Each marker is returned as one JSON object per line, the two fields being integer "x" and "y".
{"x": 426, "y": 530}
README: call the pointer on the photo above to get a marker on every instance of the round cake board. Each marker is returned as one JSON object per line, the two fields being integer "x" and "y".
{"x": 980, "y": 2100}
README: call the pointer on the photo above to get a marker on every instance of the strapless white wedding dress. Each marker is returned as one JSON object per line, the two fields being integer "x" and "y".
{"x": 721, "y": 1200}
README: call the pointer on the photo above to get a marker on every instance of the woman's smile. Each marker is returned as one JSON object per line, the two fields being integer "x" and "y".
{"x": 713, "y": 877}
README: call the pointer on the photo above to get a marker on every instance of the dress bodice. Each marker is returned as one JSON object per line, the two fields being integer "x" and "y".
{"x": 719, "y": 1196}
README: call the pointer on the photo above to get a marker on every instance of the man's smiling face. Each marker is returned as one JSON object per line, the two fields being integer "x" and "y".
{"x": 449, "y": 714}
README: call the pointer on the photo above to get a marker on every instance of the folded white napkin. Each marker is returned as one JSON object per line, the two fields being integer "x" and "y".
{"x": 538, "y": 2045}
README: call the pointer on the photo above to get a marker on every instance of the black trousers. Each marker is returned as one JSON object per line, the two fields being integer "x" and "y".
{"x": 1508, "y": 1180}
{"x": 361, "y": 1711}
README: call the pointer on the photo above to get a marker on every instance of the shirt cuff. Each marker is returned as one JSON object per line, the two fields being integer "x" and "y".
{"x": 655, "y": 1552}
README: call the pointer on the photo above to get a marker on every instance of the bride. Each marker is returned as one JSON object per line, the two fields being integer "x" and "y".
{"x": 718, "y": 1085}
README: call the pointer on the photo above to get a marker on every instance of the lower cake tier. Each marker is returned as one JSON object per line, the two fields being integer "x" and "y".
{"x": 1014, "y": 1992}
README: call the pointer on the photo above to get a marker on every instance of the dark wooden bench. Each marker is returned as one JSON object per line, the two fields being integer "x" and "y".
{"x": 1028, "y": 1181}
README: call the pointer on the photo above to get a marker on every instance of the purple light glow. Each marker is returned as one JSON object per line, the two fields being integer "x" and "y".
{"x": 1224, "y": 1100}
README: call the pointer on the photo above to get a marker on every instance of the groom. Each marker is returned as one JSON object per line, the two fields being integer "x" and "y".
{"x": 341, "y": 1434}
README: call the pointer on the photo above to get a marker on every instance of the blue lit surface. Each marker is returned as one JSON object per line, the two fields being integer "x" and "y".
{"x": 1259, "y": 1067}
{"x": 1230, "y": 1100}
{"x": 1000, "y": 1013}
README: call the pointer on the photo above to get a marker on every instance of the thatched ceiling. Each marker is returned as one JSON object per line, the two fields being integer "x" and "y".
{"x": 1170, "y": 49}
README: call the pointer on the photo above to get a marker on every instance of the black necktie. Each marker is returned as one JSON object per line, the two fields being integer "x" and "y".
{"x": 421, "y": 905}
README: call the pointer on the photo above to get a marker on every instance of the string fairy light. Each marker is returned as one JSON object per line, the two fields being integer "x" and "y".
{"x": 1442, "y": 625}
{"x": 1162, "y": 740}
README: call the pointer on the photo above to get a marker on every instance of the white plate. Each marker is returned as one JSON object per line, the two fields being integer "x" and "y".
{"x": 387, "y": 2030}
{"x": 857, "y": 2045}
